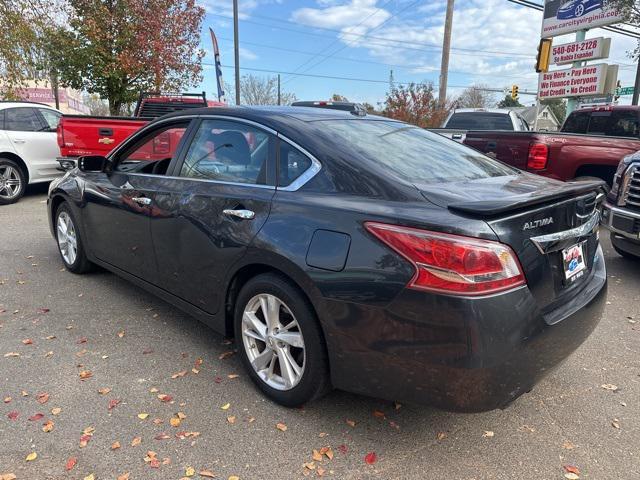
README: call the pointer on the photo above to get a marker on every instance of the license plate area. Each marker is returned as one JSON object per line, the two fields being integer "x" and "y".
{"x": 574, "y": 264}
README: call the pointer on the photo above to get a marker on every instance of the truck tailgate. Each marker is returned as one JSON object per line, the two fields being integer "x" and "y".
{"x": 85, "y": 135}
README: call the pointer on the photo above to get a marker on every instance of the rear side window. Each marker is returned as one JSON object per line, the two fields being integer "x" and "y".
{"x": 22, "y": 119}
{"x": 411, "y": 153}
{"x": 292, "y": 164}
{"x": 576, "y": 123}
{"x": 480, "y": 121}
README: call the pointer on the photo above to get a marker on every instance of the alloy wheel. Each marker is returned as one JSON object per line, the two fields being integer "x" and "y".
{"x": 273, "y": 341}
{"x": 67, "y": 239}
{"x": 10, "y": 182}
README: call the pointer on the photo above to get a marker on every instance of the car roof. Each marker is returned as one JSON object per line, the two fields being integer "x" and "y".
{"x": 19, "y": 103}
{"x": 505, "y": 111}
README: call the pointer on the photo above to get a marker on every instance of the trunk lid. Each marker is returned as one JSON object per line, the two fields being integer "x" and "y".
{"x": 552, "y": 226}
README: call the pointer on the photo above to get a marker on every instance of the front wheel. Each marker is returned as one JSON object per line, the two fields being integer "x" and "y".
{"x": 280, "y": 341}
{"x": 12, "y": 181}
{"x": 70, "y": 243}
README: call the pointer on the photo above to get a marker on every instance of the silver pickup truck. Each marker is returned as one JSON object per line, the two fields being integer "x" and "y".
{"x": 461, "y": 120}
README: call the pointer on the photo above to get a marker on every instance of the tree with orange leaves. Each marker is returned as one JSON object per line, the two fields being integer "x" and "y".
{"x": 415, "y": 103}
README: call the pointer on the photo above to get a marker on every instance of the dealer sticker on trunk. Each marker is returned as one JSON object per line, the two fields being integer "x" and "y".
{"x": 573, "y": 261}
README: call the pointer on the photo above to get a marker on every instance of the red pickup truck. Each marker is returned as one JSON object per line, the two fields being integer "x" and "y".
{"x": 590, "y": 144}
{"x": 90, "y": 135}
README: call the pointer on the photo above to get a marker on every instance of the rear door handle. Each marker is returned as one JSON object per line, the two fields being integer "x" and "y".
{"x": 142, "y": 200}
{"x": 243, "y": 214}
{"x": 19, "y": 140}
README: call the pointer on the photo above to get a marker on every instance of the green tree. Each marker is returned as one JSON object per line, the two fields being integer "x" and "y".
{"x": 507, "y": 102}
{"x": 631, "y": 11}
{"x": 116, "y": 48}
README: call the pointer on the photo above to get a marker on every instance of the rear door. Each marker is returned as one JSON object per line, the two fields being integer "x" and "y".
{"x": 34, "y": 140}
{"x": 217, "y": 199}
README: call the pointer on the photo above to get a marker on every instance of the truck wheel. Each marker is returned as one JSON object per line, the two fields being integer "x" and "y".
{"x": 12, "y": 181}
{"x": 605, "y": 187}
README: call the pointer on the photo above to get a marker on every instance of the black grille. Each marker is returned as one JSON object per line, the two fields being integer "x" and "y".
{"x": 631, "y": 193}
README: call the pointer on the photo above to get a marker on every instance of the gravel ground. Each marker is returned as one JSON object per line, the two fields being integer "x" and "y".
{"x": 55, "y": 325}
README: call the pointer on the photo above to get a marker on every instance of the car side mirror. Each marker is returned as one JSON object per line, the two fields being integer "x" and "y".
{"x": 92, "y": 163}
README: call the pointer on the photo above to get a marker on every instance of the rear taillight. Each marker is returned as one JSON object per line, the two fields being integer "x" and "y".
{"x": 452, "y": 263}
{"x": 538, "y": 156}
{"x": 60, "y": 136}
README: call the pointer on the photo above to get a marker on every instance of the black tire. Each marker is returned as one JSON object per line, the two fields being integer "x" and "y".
{"x": 81, "y": 264}
{"x": 5, "y": 198}
{"x": 315, "y": 381}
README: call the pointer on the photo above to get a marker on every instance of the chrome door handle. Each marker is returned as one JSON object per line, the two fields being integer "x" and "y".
{"x": 243, "y": 214}
{"x": 142, "y": 200}
{"x": 19, "y": 140}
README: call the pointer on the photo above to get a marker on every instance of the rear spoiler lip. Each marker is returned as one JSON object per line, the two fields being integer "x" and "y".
{"x": 490, "y": 208}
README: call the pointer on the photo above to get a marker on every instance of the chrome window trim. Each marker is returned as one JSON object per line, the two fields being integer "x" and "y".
{"x": 306, "y": 176}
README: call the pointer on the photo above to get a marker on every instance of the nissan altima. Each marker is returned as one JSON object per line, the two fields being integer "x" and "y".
{"x": 344, "y": 250}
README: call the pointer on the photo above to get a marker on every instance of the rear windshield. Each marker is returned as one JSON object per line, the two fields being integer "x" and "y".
{"x": 617, "y": 123}
{"x": 480, "y": 121}
{"x": 412, "y": 153}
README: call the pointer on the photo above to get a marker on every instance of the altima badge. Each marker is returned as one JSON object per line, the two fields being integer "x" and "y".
{"x": 537, "y": 223}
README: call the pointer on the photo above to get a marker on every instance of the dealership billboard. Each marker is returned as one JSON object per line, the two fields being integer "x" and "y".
{"x": 592, "y": 49}
{"x": 566, "y": 16}
{"x": 585, "y": 81}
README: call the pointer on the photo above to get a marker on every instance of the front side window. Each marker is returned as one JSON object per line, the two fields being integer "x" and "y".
{"x": 153, "y": 153}
{"x": 51, "y": 117}
{"x": 227, "y": 151}
{"x": 23, "y": 119}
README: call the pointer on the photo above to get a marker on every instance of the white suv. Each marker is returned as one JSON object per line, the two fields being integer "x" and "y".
{"x": 28, "y": 147}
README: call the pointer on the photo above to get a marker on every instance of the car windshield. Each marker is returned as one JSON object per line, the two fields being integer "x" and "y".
{"x": 412, "y": 153}
{"x": 480, "y": 121}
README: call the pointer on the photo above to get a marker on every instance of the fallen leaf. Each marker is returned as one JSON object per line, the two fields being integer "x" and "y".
{"x": 225, "y": 406}
{"x": 165, "y": 398}
{"x": 8, "y": 476}
{"x": 316, "y": 456}
{"x": 43, "y": 310}
{"x": 136, "y": 441}
{"x": 378, "y": 414}
{"x": 571, "y": 469}
{"x": 84, "y": 440}
{"x": 179, "y": 374}
{"x": 615, "y": 423}
{"x": 224, "y": 355}
{"x": 7, "y": 399}
{"x": 124, "y": 476}
{"x": 48, "y": 426}
{"x": 328, "y": 453}
{"x": 113, "y": 403}
{"x": 189, "y": 472}
{"x": 50, "y": 337}
{"x": 81, "y": 340}
{"x": 174, "y": 421}
{"x": 343, "y": 449}
{"x": 281, "y": 426}
{"x": 42, "y": 397}
{"x": 206, "y": 473}
{"x": 36, "y": 417}
{"x": 115, "y": 445}
{"x": 370, "y": 458}
{"x": 441, "y": 436}
{"x": 11, "y": 354}
{"x": 121, "y": 333}
{"x": 71, "y": 463}
{"x": 31, "y": 457}
{"x": 351, "y": 423}
{"x": 232, "y": 376}
{"x": 89, "y": 430}
{"x": 84, "y": 374}
{"x": 90, "y": 477}
{"x": 231, "y": 419}
{"x": 162, "y": 436}
{"x": 571, "y": 476}
{"x": 233, "y": 477}
{"x": 568, "y": 445}
{"x": 488, "y": 434}
{"x": 153, "y": 390}
{"x": 143, "y": 416}
{"x": 181, "y": 415}
{"x": 27, "y": 341}
{"x": 397, "y": 405}
{"x": 320, "y": 471}
{"x": 13, "y": 415}
{"x": 610, "y": 386}
{"x": 104, "y": 391}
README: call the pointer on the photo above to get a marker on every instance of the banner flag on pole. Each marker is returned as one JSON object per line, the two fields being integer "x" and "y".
{"x": 216, "y": 56}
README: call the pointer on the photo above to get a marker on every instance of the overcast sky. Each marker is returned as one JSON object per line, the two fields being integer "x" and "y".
{"x": 494, "y": 43}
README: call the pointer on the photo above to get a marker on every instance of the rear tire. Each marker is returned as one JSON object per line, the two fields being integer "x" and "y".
{"x": 13, "y": 181}
{"x": 70, "y": 244}
{"x": 283, "y": 350}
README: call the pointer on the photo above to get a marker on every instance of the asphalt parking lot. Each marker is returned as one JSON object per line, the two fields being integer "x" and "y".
{"x": 56, "y": 327}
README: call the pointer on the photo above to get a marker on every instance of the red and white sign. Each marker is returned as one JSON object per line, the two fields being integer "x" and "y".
{"x": 592, "y": 49}
{"x": 573, "y": 82}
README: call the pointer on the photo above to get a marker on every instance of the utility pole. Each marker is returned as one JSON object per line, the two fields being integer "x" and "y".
{"x": 446, "y": 47}
{"x": 279, "y": 97}
{"x": 236, "y": 49}
{"x": 636, "y": 89}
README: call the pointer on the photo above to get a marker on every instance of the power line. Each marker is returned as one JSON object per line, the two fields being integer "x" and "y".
{"x": 401, "y": 44}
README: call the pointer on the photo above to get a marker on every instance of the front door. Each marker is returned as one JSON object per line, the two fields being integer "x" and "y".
{"x": 217, "y": 200}
{"x": 120, "y": 203}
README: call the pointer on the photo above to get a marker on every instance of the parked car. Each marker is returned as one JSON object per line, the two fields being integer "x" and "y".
{"x": 94, "y": 135}
{"x": 590, "y": 145}
{"x": 621, "y": 210}
{"x": 346, "y": 251}
{"x": 577, "y": 8}
{"x": 28, "y": 147}
{"x": 462, "y": 120}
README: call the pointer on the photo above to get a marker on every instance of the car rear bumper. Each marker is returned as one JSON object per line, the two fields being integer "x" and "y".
{"x": 458, "y": 354}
